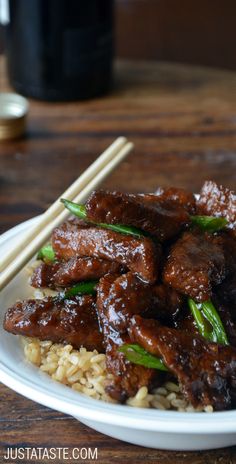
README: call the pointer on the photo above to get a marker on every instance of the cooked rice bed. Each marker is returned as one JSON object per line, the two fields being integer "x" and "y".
{"x": 85, "y": 371}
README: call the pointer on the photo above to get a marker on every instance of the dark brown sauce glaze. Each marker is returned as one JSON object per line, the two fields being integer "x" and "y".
{"x": 127, "y": 377}
{"x": 141, "y": 256}
{"x": 59, "y": 321}
{"x": 64, "y": 274}
{"x": 195, "y": 263}
{"x": 180, "y": 196}
{"x": 168, "y": 305}
{"x": 216, "y": 200}
{"x": 206, "y": 371}
{"x": 125, "y": 296}
{"x": 153, "y": 214}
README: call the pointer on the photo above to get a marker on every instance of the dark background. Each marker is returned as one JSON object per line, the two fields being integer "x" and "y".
{"x": 201, "y": 32}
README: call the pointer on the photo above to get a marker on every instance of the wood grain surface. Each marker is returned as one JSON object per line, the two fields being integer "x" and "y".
{"x": 201, "y": 32}
{"x": 183, "y": 123}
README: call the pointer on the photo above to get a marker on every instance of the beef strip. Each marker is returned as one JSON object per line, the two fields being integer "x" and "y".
{"x": 187, "y": 324}
{"x": 75, "y": 270}
{"x": 141, "y": 256}
{"x": 128, "y": 295}
{"x": 227, "y": 313}
{"x": 180, "y": 196}
{"x": 44, "y": 275}
{"x": 206, "y": 371}
{"x": 226, "y": 293}
{"x": 229, "y": 247}
{"x": 195, "y": 263}
{"x": 224, "y": 298}
{"x": 150, "y": 213}
{"x": 216, "y": 200}
{"x": 127, "y": 378}
{"x": 59, "y": 321}
{"x": 167, "y": 305}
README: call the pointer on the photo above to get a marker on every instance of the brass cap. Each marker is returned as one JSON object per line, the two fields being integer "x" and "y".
{"x": 13, "y": 111}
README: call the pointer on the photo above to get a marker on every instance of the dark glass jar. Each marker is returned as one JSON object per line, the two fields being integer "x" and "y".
{"x": 60, "y": 49}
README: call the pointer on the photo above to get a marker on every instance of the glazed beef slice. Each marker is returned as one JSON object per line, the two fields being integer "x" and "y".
{"x": 167, "y": 305}
{"x": 180, "y": 196}
{"x": 150, "y": 213}
{"x": 195, "y": 263}
{"x": 140, "y": 255}
{"x": 127, "y": 295}
{"x": 59, "y": 321}
{"x": 127, "y": 378}
{"x": 206, "y": 371}
{"x": 75, "y": 270}
{"x": 216, "y": 200}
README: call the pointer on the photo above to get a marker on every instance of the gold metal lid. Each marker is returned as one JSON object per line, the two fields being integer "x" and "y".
{"x": 13, "y": 111}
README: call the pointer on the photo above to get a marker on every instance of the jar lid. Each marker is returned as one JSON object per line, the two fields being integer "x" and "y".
{"x": 13, "y": 111}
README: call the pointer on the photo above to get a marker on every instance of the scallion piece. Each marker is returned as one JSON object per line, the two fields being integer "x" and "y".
{"x": 83, "y": 288}
{"x": 137, "y": 355}
{"x": 46, "y": 253}
{"x": 74, "y": 208}
{"x": 123, "y": 229}
{"x": 209, "y": 223}
{"x": 205, "y": 315}
{"x": 201, "y": 322}
{"x": 213, "y": 317}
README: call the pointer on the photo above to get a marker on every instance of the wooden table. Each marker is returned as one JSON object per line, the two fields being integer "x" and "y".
{"x": 183, "y": 123}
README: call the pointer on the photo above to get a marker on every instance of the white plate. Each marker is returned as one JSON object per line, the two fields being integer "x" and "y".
{"x": 157, "y": 429}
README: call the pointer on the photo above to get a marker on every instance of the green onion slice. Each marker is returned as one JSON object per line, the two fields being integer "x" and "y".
{"x": 137, "y": 355}
{"x": 209, "y": 223}
{"x": 208, "y": 321}
{"x": 46, "y": 253}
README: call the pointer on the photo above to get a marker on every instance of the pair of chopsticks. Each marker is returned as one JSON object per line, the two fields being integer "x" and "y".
{"x": 35, "y": 238}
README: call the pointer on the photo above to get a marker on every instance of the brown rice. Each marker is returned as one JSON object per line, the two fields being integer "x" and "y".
{"x": 85, "y": 372}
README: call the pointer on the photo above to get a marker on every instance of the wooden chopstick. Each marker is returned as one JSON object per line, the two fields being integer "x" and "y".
{"x": 55, "y": 209}
{"x": 22, "y": 256}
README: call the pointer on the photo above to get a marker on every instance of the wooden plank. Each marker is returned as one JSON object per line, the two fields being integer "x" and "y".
{"x": 201, "y": 32}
